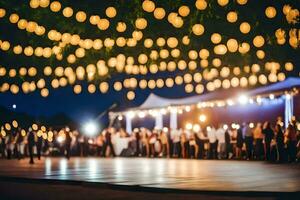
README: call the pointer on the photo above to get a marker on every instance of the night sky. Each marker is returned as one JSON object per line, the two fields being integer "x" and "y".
{"x": 80, "y": 107}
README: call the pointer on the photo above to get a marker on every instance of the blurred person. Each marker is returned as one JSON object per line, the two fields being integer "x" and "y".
{"x": 228, "y": 143}
{"x": 220, "y": 135}
{"x": 279, "y": 137}
{"x": 201, "y": 138}
{"x": 31, "y": 144}
{"x": 291, "y": 141}
{"x": 165, "y": 143}
{"x": 19, "y": 144}
{"x": 137, "y": 143}
{"x": 248, "y": 135}
{"x": 68, "y": 143}
{"x": 239, "y": 143}
{"x": 184, "y": 144}
{"x": 158, "y": 145}
{"x": 80, "y": 142}
{"x": 2, "y": 146}
{"x": 108, "y": 145}
{"x": 213, "y": 143}
{"x": 193, "y": 147}
{"x": 99, "y": 143}
{"x": 258, "y": 141}
{"x": 9, "y": 146}
{"x": 39, "y": 144}
{"x": 175, "y": 137}
{"x": 145, "y": 143}
{"x": 268, "y": 135}
{"x": 152, "y": 141}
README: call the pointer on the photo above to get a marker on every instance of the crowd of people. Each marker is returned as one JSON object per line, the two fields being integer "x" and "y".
{"x": 262, "y": 142}
{"x": 246, "y": 141}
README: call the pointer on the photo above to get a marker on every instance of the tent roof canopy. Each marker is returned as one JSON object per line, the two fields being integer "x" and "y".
{"x": 155, "y": 101}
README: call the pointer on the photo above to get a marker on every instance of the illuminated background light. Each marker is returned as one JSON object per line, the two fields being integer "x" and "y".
{"x": 90, "y": 128}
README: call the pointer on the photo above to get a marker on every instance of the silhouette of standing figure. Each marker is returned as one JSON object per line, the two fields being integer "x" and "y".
{"x": 31, "y": 143}
{"x": 68, "y": 143}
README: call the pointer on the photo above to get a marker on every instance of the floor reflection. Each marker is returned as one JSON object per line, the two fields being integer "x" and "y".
{"x": 167, "y": 173}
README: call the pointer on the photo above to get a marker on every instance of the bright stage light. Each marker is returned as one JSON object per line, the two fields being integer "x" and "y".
{"x": 234, "y": 126}
{"x": 230, "y": 102}
{"x": 90, "y": 128}
{"x": 163, "y": 111}
{"x": 90, "y": 141}
{"x": 165, "y": 129}
{"x": 272, "y": 96}
{"x": 251, "y": 125}
{"x": 141, "y": 114}
{"x": 120, "y": 117}
{"x": 259, "y": 100}
{"x": 131, "y": 114}
{"x": 189, "y": 126}
{"x": 225, "y": 126}
{"x": 196, "y": 128}
{"x": 14, "y": 106}
{"x": 208, "y": 128}
{"x": 60, "y": 139}
{"x": 243, "y": 99}
{"x": 187, "y": 108}
{"x": 202, "y": 118}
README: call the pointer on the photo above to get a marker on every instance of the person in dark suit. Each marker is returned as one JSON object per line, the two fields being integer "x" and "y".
{"x": 39, "y": 145}
{"x": 239, "y": 143}
{"x": 19, "y": 140}
{"x": 291, "y": 137}
{"x": 108, "y": 143}
{"x": 31, "y": 144}
{"x": 279, "y": 142}
{"x": 269, "y": 135}
{"x": 68, "y": 143}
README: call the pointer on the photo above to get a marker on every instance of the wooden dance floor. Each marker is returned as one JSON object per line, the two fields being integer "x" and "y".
{"x": 200, "y": 175}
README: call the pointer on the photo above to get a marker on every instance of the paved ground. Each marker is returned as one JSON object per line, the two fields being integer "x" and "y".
{"x": 123, "y": 177}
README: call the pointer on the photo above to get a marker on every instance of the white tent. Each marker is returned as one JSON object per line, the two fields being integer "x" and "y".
{"x": 157, "y": 102}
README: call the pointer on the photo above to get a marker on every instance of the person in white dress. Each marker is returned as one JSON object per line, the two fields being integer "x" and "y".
{"x": 211, "y": 134}
{"x": 220, "y": 135}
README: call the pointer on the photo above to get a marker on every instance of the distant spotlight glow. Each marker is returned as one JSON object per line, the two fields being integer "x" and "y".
{"x": 120, "y": 117}
{"x": 60, "y": 139}
{"x": 14, "y": 106}
{"x": 234, "y": 126}
{"x": 188, "y": 108}
{"x": 259, "y": 100}
{"x": 243, "y": 99}
{"x": 208, "y": 128}
{"x": 225, "y": 126}
{"x": 142, "y": 114}
{"x": 230, "y": 102}
{"x": 202, "y": 118}
{"x": 130, "y": 114}
{"x": 163, "y": 111}
{"x": 251, "y": 125}
{"x": 188, "y": 126}
{"x": 196, "y": 128}
{"x": 272, "y": 96}
{"x": 90, "y": 128}
{"x": 165, "y": 129}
